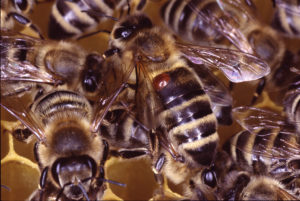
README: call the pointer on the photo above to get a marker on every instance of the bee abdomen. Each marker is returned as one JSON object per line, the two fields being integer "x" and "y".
{"x": 287, "y": 21}
{"x": 67, "y": 18}
{"x": 60, "y": 103}
{"x": 181, "y": 17}
{"x": 188, "y": 117}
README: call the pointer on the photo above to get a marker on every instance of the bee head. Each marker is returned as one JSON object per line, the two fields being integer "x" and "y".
{"x": 73, "y": 175}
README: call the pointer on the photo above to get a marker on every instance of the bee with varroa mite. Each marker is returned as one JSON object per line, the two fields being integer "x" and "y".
{"x": 170, "y": 98}
{"x": 269, "y": 146}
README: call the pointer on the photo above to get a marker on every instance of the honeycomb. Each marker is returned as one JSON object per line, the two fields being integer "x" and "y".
{"x": 20, "y": 172}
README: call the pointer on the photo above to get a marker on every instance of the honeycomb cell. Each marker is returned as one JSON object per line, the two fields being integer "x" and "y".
{"x": 20, "y": 178}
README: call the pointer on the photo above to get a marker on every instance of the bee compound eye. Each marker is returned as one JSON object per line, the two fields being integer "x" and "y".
{"x": 21, "y": 4}
{"x": 209, "y": 178}
{"x": 90, "y": 84}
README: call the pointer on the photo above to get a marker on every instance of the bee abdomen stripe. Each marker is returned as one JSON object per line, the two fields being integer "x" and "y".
{"x": 192, "y": 112}
{"x": 173, "y": 11}
{"x": 204, "y": 155}
{"x": 187, "y": 96}
{"x": 244, "y": 147}
{"x": 63, "y": 8}
{"x": 202, "y": 131}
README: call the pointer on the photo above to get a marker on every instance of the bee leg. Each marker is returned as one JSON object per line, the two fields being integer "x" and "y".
{"x": 26, "y": 22}
{"x": 157, "y": 168}
{"x": 43, "y": 180}
{"x": 93, "y": 33}
{"x": 259, "y": 89}
{"x": 105, "y": 152}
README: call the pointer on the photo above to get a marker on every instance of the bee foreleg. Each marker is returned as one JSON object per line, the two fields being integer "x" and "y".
{"x": 25, "y": 21}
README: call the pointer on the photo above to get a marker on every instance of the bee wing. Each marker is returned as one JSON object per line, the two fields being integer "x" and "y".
{"x": 215, "y": 89}
{"x": 12, "y": 68}
{"x": 271, "y": 136}
{"x": 253, "y": 119}
{"x": 230, "y": 30}
{"x": 25, "y": 72}
{"x": 237, "y": 66}
{"x": 23, "y": 114}
{"x": 283, "y": 194}
{"x": 115, "y": 77}
{"x": 291, "y": 7}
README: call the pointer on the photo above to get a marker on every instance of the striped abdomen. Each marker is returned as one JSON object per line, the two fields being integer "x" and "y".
{"x": 286, "y": 18}
{"x": 187, "y": 117}
{"x": 292, "y": 103}
{"x": 264, "y": 152}
{"x": 60, "y": 105}
{"x": 181, "y": 17}
{"x": 67, "y": 19}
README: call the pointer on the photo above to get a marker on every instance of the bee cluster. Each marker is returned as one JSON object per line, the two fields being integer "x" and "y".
{"x": 150, "y": 100}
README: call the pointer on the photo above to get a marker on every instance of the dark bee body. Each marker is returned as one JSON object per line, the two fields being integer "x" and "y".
{"x": 177, "y": 104}
{"x": 68, "y": 21}
{"x": 286, "y": 17}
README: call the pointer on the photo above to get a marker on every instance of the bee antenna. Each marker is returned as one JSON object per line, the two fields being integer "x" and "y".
{"x": 112, "y": 182}
{"x": 62, "y": 190}
{"x": 83, "y": 190}
{"x": 5, "y": 187}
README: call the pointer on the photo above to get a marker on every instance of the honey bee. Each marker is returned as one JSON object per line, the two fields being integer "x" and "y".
{"x": 70, "y": 156}
{"x": 73, "y": 19}
{"x": 222, "y": 22}
{"x": 269, "y": 146}
{"x": 242, "y": 185}
{"x": 178, "y": 110}
{"x": 12, "y": 11}
{"x": 29, "y": 63}
{"x": 211, "y": 20}
{"x": 286, "y": 17}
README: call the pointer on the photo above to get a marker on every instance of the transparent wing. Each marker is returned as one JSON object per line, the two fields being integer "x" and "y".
{"x": 271, "y": 136}
{"x": 268, "y": 143}
{"x": 19, "y": 110}
{"x": 224, "y": 25}
{"x": 237, "y": 66}
{"x": 215, "y": 89}
{"x": 16, "y": 46}
{"x": 116, "y": 75}
{"x": 291, "y": 7}
{"x": 26, "y": 72}
{"x": 253, "y": 119}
